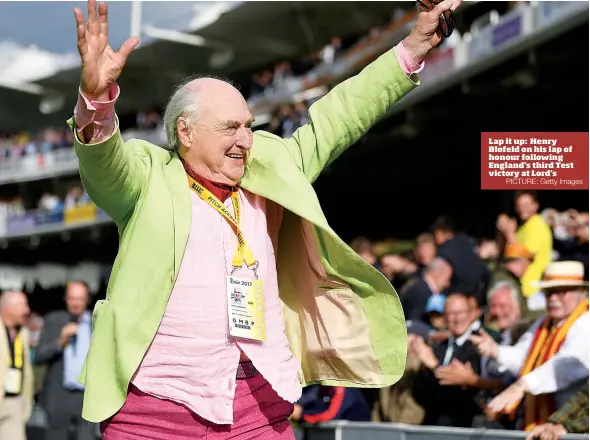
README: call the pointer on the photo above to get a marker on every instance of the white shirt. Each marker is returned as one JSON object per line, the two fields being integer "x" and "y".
{"x": 567, "y": 367}
{"x": 460, "y": 340}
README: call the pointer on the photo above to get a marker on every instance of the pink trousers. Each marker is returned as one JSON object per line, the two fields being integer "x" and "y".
{"x": 259, "y": 413}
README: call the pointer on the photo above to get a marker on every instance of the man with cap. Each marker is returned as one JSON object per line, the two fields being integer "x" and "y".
{"x": 533, "y": 232}
{"x": 551, "y": 358}
{"x": 433, "y": 320}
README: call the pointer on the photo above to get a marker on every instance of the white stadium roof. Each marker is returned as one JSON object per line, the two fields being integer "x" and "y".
{"x": 249, "y": 36}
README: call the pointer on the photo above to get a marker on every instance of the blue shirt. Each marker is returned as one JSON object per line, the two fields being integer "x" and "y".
{"x": 75, "y": 353}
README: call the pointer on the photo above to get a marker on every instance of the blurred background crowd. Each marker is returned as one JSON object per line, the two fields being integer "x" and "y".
{"x": 452, "y": 286}
{"x": 468, "y": 265}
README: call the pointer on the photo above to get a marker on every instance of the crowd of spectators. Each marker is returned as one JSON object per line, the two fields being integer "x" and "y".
{"x": 475, "y": 309}
{"x": 284, "y": 121}
{"x": 476, "y": 313}
{"x": 19, "y": 145}
{"x": 51, "y": 207}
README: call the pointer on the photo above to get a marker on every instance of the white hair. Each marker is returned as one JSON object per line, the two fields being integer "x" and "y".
{"x": 439, "y": 264}
{"x": 185, "y": 102}
{"x": 502, "y": 285}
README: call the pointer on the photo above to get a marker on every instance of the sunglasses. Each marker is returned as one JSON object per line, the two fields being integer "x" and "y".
{"x": 446, "y": 22}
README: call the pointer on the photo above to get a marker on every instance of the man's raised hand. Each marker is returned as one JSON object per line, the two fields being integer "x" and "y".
{"x": 101, "y": 66}
{"x": 426, "y": 33}
{"x": 485, "y": 344}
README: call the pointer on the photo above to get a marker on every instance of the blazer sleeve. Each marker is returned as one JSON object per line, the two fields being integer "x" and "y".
{"x": 347, "y": 112}
{"x": 113, "y": 173}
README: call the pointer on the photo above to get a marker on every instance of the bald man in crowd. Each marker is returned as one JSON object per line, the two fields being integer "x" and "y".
{"x": 16, "y": 375}
{"x": 448, "y": 404}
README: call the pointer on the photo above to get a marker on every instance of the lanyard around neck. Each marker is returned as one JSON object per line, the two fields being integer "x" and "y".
{"x": 15, "y": 360}
{"x": 243, "y": 252}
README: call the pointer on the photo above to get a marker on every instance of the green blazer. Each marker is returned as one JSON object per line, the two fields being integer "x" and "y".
{"x": 343, "y": 318}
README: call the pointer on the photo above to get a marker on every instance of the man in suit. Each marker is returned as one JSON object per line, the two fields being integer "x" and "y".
{"x": 62, "y": 349}
{"x": 230, "y": 290}
{"x": 16, "y": 374}
{"x": 445, "y": 404}
{"x": 470, "y": 273}
{"x": 415, "y": 294}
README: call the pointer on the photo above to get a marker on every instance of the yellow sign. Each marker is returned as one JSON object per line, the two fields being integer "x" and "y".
{"x": 81, "y": 213}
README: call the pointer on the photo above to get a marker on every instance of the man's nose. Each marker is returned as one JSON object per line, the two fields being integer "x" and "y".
{"x": 244, "y": 138}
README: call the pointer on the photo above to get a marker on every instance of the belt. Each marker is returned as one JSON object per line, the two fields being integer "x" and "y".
{"x": 246, "y": 370}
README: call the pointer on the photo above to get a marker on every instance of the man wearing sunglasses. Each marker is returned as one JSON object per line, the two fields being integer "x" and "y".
{"x": 551, "y": 358}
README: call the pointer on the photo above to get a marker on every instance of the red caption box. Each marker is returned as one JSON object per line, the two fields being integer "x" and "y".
{"x": 535, "y": 161}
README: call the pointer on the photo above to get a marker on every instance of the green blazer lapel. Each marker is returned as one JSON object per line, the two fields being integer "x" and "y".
{"x": 285, "y": 185}
{"x": 181, "y": 206}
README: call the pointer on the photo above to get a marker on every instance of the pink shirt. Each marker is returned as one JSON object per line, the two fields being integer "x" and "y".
{"x": 192, "y": 360}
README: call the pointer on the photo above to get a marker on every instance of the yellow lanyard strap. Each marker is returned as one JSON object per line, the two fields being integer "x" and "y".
{"x": 18, "y": 353}
{"x": 243, "y": 251}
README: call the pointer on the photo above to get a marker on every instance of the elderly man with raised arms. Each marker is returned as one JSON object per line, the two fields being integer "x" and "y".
{"x": 230, "y": 291}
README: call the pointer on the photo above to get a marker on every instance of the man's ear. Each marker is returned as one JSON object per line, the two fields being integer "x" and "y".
{"x": 184, "y": 132}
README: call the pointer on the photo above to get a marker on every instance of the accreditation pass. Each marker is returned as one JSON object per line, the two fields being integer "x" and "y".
{"x": 13, "y": 381}
{"x": 245, "y": 308}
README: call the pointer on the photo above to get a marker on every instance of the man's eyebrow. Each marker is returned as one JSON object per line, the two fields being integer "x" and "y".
{"x": 235, "y": 124}
{"x": 229, "y": 124}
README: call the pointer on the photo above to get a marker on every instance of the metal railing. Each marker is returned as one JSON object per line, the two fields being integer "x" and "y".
{"x": 344, "y": 430}
{"x": 39, "y": 166}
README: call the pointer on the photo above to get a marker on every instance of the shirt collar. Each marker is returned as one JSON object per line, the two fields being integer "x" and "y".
{"x": 430, "y": 284}
{"x": 219, "y": 190}
{"x": 86, "y": 318}
{"x": 465, "y": 336}
{"x": 507, "y": 337}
